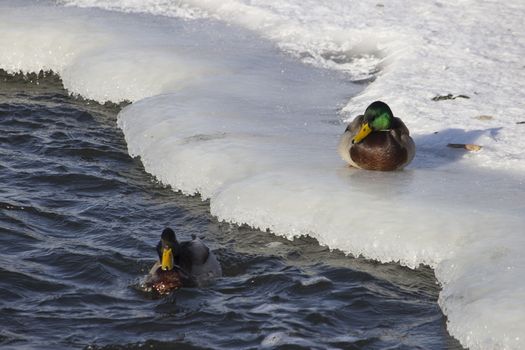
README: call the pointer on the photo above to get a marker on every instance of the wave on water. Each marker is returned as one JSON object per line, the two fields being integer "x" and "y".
{"x": 219, "y": 111}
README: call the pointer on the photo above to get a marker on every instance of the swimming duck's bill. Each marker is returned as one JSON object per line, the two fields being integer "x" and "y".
{"x": 167, "y": 259}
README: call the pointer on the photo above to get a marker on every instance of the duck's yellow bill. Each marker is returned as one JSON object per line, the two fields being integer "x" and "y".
{"x": 167, "y": 259}
{"x": 363, "y": 132}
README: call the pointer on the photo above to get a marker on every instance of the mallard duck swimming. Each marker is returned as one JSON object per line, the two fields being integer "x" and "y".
{"x": 377, "y": 140}
{"x": 184, "y": 264}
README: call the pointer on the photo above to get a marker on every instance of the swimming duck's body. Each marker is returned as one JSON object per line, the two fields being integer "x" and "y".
{"x": 377, "y": 140}
{"x": 184, "y": 264}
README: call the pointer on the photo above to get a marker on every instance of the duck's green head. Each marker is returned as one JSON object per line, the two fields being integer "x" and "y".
{"x": 378, "y": 116}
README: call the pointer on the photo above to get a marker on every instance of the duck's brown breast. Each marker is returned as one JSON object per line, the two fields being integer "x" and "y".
{"x": 164, "y": 282}
{"x": 379, "y": 151}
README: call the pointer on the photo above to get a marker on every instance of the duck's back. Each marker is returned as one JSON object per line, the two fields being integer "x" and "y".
{"x": 199, "y": 261}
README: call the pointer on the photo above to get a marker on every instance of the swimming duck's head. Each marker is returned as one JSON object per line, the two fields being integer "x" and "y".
{"x": 166, "y": 276}
{"x": 168, "y": 249}
{"x": 378, "y": 116}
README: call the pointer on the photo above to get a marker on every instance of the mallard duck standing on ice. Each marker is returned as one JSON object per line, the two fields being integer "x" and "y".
{"x": 377, "y": 140}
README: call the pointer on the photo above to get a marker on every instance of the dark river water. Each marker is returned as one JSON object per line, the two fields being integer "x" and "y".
{"x": 79, "y": 220}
